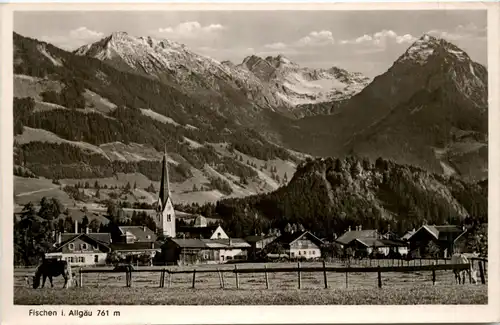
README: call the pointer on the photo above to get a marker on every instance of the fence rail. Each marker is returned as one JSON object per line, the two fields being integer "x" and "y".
{"x": 299, "y": 269}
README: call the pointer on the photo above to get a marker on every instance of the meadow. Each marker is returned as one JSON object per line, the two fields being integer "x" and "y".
{"x": 361, "y": 288}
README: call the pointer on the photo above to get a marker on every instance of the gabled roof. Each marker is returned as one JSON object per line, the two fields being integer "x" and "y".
{"x": 209, "y": 243}
{"x": 85, "y": 237}
{"x": 290, "y": 238}
{"x": 257, "y": 238}
{"x": 138, "y": 246}
{"x": 349, "y": 236}
{"x": 374, "y": 242}
{"x": 206, "y": 232}
{"x": 98, "y": 236}
{"x": 443, "y": 232}
{"x": 226, "y": 243}
{"x": 140, "y": 233}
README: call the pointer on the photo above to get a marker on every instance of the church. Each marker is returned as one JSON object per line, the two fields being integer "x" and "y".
{"x": 165, "y": 213}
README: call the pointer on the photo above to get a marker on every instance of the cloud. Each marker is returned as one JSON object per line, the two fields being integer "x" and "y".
{"x": 276, "y": 46}
{"x": 191, "y": 29}
{"x": 381, "y": 38}
{"x": 74, "y": 38}
{"x": 460, "y": 32}
{"x": 314, "y": 38}
{"x": 324, "y": 37}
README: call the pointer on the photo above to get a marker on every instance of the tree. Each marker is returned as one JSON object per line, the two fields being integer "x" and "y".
{"x": 288, "y": 228}
{"x": 96, "y": 184}
{"x": 85, "y": 222}
{"x": 94, "y": 225}
{"x": 432, "y": 250}
{"x": 50, "y": 208}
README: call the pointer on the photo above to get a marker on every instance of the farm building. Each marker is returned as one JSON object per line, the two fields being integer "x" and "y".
{"x": 202, "y": 230}
{"x": 134, "y": 240}
{"x": 351, "y": 235}
{"x": 82, "y": 249}
{"x": 408, "y": 234}
{"x": 203, "y": 251}
{"x": 432, "y": 240}
{"x": 367, "y": 246}
{"x": 300, "y": 244}
{"x": 258, "y": 243}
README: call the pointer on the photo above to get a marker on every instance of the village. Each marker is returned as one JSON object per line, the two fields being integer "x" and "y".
{"x": 205, "y": 242}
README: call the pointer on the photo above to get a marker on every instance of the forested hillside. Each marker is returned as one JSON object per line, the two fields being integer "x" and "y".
{"x": 329, "y": 195}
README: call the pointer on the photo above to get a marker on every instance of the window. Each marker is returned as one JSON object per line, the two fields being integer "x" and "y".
{"x": 293, "y": 254}
{"x": 218, "y": 235}
{"x": 148, "y": 236}
{"x": 96, "y": 247}
{"x": 71, "y": 246}
{"x": 169, "y": 217}
{"x": 96, "y": 258}
{"x": 84, "y": 246}
{"x": 81, "y": 259}
{"x": 313, "y": 252}
{"x": 300, "y": 253}
{"x": 305, "y": 252}
{"x": 229, "y": 258}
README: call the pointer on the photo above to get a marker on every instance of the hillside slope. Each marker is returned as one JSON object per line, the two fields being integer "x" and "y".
{"x": 79, "y": 118}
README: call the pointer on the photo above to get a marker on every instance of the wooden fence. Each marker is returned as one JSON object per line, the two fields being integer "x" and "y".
{"x": 299, "y": 270}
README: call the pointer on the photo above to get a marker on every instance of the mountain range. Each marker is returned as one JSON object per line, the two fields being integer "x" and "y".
{"x": 109, "y": 108}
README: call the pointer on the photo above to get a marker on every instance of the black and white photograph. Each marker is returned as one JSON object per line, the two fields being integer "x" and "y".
{"x": 250, "y": 157}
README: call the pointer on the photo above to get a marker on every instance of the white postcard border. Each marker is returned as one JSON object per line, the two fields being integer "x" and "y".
{"x": 12, "y": 314}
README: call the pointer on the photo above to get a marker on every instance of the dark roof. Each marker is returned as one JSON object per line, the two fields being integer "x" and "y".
{"x": 85, "y": 237}
{"x": 289, "y": 238}
{"x": 141, "y": 233}
{"x": 374, "y": 242}
{"x": 188, "y": 243}
{"x": 138, "y": 246}
{"x": 349, "y": 236}
{"x": 205, "y": 232}
{"x": 257, "y": 238}
{"x": 101, "y": 237}
{"x": 208, "y": 243}
{"x": 443, "y": 232}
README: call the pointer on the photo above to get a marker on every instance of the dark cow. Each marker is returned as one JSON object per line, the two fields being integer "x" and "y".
{"x": 52, "y": 268}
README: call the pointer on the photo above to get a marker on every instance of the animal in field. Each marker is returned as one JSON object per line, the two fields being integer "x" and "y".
{"x": 460, "y": 274}
{"x": 52, "y": 268}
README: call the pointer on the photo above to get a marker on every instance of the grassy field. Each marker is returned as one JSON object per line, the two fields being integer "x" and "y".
{"x": 467, "y": 294}
{"x": 397, "y": 288}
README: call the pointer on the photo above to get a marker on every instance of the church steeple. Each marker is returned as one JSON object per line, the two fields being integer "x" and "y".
{"x": 166, "y": 212}
{"x": 165, "y": 181}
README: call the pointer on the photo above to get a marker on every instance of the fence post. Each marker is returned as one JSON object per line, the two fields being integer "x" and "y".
{"x": 484, "y": 267}
{"x": 170, "y": 275}
{"x": 194, "y": 277}
{"x": 324, "y": 275}
{"x": 470, "y": 272}
{"x": 80, "y": 284}
{"x": 161, "y": 278}
{"x": 433, "y": 275}
{"x": 346, "y": 281}
{"x": 298, "y": 273}
{"x": 379, "y": 277}
{"x": 481, "y": 273}
{"x": 267, "y": 279}
{"x": 237, "y": 279}
{"x": 220, "y": 278}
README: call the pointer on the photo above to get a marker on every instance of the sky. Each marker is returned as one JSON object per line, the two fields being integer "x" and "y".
{"x": 358, "y": 41}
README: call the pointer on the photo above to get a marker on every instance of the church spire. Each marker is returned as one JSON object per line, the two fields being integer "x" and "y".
{"x": 165, "y": 181}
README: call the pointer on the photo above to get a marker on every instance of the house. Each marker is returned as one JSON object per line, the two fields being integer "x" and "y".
{"x": 351, "y": 235}
{"x": 367, "y": 246}
{"x": 203, "y": 251}
{"x": 202, "y": 230}
{"x": 432, "y": 240}
{"x": 408, "y": 234}
{"x": 81, "y": 249}
{"x": 299, "y": 244}
{"x": 258, "y": 243}
{"x": 134, "y": 240}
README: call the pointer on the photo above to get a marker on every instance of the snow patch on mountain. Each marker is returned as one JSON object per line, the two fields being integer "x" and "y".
{"x": 156, "y": 116}
{"x": 43, "y": 51}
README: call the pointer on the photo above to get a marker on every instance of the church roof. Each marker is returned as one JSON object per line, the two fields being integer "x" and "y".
{"x": 164, "y": 194}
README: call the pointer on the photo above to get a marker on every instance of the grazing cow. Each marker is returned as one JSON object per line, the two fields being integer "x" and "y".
{"x": 52, "y": 268}
{"x": 460, "y": 274}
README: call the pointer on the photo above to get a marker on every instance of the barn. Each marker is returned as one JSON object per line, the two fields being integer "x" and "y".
{"x": 435, "y": 241}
